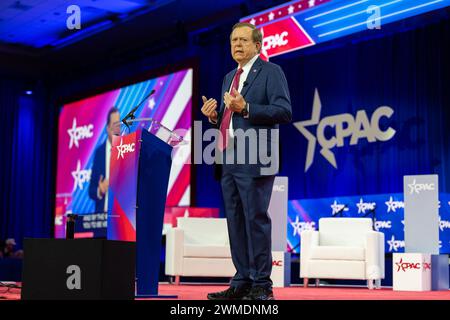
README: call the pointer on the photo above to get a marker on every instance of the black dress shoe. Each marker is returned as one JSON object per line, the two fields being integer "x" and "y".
{"x": 259, "y": 293}
{"x": 232, "y": 293}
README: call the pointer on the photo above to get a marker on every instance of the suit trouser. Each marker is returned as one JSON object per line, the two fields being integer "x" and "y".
{"x": 249, "y": 227}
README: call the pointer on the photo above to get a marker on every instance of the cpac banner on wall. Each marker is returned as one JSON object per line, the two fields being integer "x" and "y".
{"x": 82, "y": 132}
{"x": 386, "y": 210}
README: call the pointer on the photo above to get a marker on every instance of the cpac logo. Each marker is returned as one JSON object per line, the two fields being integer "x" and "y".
{"x": 277, "y": 263}
{"x": 279, "y": 188}
{"x": 345, "y": 125}
{"x": 299, "y": 227}
{"x": 443, "y": 224}
{"x": 363, "y": 206}
{"x": 79, "y": 133}
{"x": 405, "y": 266}
{"x": 337, "y": 208}
{"x": 74, "y": 280}
{"x": 124, "y": 148}
{"x": 80, "y": 177}
{"x": 394, "y": 245}
{"x": 277, "y": 40}
{"x": 394, "y": 205}
{"x": 417, "y": 187}
{"x": 382, "y": 225}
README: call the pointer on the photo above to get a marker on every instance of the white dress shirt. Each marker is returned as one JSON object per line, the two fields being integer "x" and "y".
{"x": 245, "y": 71}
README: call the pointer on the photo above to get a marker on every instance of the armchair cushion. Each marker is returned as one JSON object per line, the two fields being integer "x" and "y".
{"x": 337, "y": 253}
{"x": 204, "y": 231}
{"x": 207, "y": 251}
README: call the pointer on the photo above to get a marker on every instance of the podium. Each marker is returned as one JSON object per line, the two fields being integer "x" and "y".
{"x": 139, "y": 176}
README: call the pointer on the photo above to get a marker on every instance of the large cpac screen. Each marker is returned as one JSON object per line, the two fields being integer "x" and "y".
{"x": 82, "y": 131}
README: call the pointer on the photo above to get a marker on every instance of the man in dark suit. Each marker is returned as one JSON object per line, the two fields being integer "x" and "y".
{"x": 255, "y": 101}
{"x": 98, "y": 187}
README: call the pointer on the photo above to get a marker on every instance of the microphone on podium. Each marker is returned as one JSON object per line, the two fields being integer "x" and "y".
{"x": 130, "y": 114}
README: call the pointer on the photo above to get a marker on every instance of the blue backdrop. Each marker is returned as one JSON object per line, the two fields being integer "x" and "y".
{"x": 407, "y": 71}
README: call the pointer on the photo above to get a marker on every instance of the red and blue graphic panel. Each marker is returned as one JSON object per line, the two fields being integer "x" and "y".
{"x": 300, "y": 24}
{"x": 123, "y": 187}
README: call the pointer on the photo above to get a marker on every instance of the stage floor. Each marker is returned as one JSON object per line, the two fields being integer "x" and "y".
{"x": 199, "y": 291}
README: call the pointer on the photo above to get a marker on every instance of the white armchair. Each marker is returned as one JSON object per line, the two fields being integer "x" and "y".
{"x": 199, "y": 247}
{"x": 343, "y": 248}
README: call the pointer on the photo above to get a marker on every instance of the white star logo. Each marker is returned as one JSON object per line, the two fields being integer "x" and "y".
{"x": 72, "y": 133}
{"x": 253, "y": 21}
{"x": 79, "y": 133}
{"x": 412, "y": 187}
{"x": 301, "y": 126}
{"x": 80, "y": 177}
{"x": 395, "y": 244}
{"x": 337, "y": 207}
{"x": 362, "y": 206}
{"x": 390, "y": 205}
{"x": 271, "y": 16}
{"x": 312, "y": 3}
{"x": 124, "y": 148}
{"x": 297, "y": 226}
{"x": 120, "y": 150}
{"x": 291, "y": 9}
{"x": 393, "y": 205}
{"x": 59, "y": 220}
{"x": 151, "y": 103}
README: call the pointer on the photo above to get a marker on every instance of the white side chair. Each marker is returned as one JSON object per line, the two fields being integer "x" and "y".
{"x": 199, "y": 247}
{"x": 343, "y": 248}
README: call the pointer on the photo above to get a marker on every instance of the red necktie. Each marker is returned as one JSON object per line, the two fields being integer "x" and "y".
{"x": 227, "y": 114}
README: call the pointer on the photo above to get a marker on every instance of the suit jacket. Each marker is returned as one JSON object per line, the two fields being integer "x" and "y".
{"x": 98, "y": 169}
{"x": 266, "y": 90}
